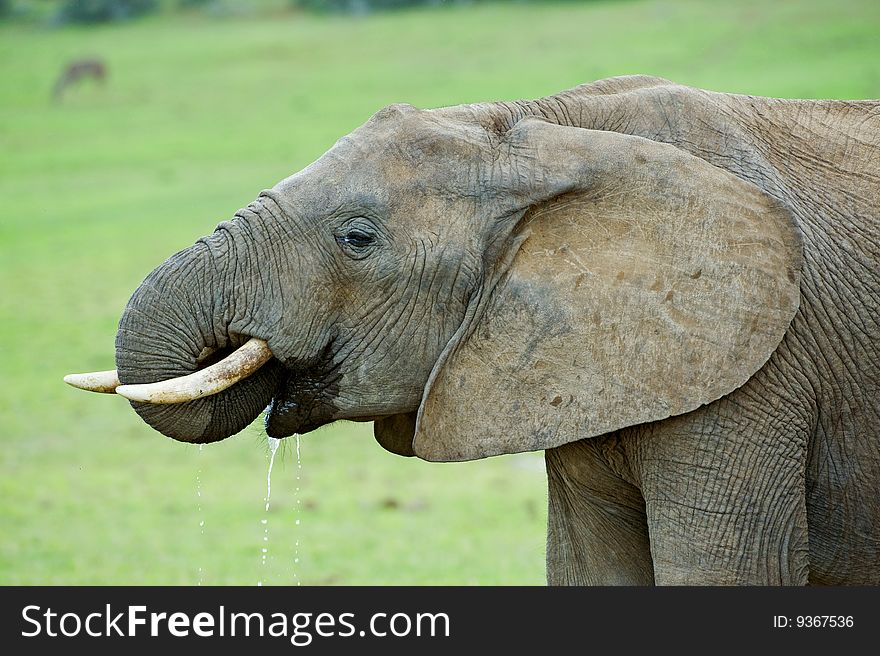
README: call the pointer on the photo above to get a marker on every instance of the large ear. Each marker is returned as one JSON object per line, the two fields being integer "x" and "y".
{"x": 650, "y": 283}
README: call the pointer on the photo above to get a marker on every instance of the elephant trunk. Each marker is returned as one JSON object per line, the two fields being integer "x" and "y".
{"x": 177, "y": 323}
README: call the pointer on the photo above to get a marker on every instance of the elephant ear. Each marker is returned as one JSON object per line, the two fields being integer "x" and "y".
{"x": 647, "y": 283}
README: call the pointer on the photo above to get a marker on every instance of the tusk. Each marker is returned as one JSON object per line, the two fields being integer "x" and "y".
{"x": 104, "y": 382}
{"x": 211, "y": 380}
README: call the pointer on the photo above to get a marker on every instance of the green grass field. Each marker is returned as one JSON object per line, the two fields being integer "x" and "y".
{"x": 196, "y": 117}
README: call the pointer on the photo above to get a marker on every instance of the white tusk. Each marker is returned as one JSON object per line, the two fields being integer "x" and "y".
{"x": 104, "y": 382}
{"x": 236, "y": 366}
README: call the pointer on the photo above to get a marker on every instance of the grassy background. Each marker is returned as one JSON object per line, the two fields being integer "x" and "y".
{"x": 196, "y": 117}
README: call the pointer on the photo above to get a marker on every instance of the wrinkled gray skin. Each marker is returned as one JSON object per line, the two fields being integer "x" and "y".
{"x": 359, "y": 270}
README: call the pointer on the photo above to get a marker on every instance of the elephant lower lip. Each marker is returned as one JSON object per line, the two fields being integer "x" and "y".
{"x": 277, "y": 420}
{"x": 304, "y": 395}
{"x": 293, "y": 411}
{"x": 280, "y": 414}
{"x": 284, "y": 414}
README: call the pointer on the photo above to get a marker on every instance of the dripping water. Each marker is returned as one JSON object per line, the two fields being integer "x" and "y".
{"x": 298, "y": 509}
{"x": 264, "y": 551}
{"x": 199, "y": 505}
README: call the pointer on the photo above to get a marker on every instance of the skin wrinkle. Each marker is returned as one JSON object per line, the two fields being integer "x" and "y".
{"x": 173, "y": 328}
{"x": 825, "y": 327}
{"x": 578, "y": 489}
{"x": 237, "y": 284}
{"x": 407, "y": 334}
{"x": 183, "y": 356}
{"x": 311, "y": 314}
{"x": 730, "y": 517}
{"x": 220, "y": 246}
{"x": 433, "y": 297}
{"x": 377, "y": 336}
{"x": 372, "y": 309}
{"x": 243, "y": 290}
{"x": 421, "y": 262}
{"x": 211, "y": 244}
{"x": 372, "y": 316}
{"x": 205, "y": 313}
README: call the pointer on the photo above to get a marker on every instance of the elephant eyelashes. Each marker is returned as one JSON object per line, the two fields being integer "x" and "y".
{"x": 356, "y": 243}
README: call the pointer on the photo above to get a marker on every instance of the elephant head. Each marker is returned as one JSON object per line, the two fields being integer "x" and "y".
{"x": 473, "y": 282}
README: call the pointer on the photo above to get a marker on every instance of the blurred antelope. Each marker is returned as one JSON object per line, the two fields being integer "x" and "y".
{"x": 77, "y": 70}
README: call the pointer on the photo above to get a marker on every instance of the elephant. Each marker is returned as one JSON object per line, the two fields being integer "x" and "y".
{"x": 673, "y": 292}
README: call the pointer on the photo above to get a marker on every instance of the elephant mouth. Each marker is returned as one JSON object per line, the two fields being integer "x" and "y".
{"x": 304, "y": 396}
{"x": 301, "y": 404}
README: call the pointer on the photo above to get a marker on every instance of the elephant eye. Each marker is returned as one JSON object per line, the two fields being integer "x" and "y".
{"x": 355, "y": 242}
{"x": 358, "y": 239}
